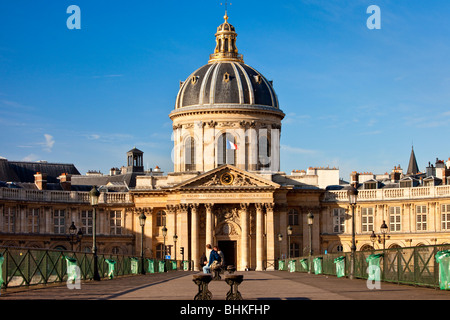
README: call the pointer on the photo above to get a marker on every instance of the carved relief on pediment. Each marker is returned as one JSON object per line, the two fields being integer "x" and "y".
{"x": 229, "y": 179}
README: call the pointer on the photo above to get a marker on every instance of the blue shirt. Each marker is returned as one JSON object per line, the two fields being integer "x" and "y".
{"x": 213, "y": 256}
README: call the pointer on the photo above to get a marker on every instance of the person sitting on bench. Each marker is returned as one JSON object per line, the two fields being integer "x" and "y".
{"x": 213, "y": 261}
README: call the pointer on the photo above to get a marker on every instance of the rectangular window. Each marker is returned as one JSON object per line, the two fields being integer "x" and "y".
{"x": 445, "y": 217}
{"x": 395, "y": 219}
{"x": 115, "y": 222}
{"x": 86, "y": 221}
{"x": 293, "y": 217}
{"x": 339, "y": 220}
{"x": 367, "y": 219}
{"x": 59, "y": 221}
{"x": 421, "y": 218}
{"x": 33, "y": 220}
{"x": 9, "y": 219}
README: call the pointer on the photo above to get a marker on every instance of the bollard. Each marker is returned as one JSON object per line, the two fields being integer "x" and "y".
{"x": 202, "y": 281}
{"x": 234, "y": 281}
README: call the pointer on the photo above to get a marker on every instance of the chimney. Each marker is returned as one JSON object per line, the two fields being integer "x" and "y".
{"x": 40, "y": 179}
{"x": 395, "y": 174}
{"x": 66, "y": 181}
{"x": 354, "y": 179}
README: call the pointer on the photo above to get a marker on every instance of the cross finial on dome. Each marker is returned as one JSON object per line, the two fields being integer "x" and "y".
{"x": 226, "y": 7}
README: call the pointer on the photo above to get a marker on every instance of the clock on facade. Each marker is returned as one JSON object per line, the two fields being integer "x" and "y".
{"x": 227, "y": 178}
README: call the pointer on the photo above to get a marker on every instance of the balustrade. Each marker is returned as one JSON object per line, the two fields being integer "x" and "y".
{"x": 61, "y": 196}
{"x": 390, "y": 194}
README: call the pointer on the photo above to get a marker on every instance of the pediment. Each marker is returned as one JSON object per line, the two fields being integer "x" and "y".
{"x": 227, "y": 176}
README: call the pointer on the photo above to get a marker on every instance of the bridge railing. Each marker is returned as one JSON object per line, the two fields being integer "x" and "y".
{"x": 410, "y": 265}
{"x": 29, "y": 266}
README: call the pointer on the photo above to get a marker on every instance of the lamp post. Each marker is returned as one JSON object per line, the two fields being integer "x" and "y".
{"x": 175, "y": 239}
{"x": 310, "y": 224}
{"x": 73, "y": 233}
{"x": 384, "y": 230}
{"x": 352, "y": 198}
{"x": 289, "y": 232}
{"x": 373, "y": 238}
{"x": 280, "y": 239}
{"x": 142, "y": 219}
{"x": 164, "y": 232}
{"x": 94, "y": 195}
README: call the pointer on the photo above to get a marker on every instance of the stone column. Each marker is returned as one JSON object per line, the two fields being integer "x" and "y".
{"x": 270, "y": 238}
{"x": 209, "y": 224}
{"x": 171, "y": 225}
{"x": 259, "y": 237}
{"x": 195, "y": 237}
{"x": 283, "y": 230}
{"x": 148, "y": 231}
{"x": 244, "y": 236}
{"x": 183, "y": 232}
{"x": 253, "y": 145}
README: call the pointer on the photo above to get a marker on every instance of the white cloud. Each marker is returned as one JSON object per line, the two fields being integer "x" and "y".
{"x": 296, "y": 150}
{"x": 49, "y": 142}
{"x": 30, "y": 158}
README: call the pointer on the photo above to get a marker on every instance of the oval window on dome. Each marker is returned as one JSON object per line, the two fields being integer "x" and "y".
{"x": 226, "y": 77}
{"x": 194, "y": 79}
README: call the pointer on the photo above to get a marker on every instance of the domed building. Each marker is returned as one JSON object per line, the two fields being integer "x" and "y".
{"x": 226, "y": 187}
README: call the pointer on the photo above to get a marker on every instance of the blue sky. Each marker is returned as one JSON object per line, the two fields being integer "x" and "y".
{"x": 354, "y": 98}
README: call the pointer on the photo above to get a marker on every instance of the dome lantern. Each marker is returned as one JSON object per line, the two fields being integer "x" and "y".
{"x": 226, "y": 49}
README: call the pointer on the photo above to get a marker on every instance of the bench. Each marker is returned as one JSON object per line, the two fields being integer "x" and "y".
{"x": 202, "y": 280}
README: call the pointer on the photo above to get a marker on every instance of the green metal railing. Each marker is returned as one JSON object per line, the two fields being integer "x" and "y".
{"x": 412, "y": 265}
{"x": 28, "y": 267}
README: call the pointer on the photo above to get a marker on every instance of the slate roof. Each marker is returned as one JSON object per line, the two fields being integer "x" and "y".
{"x": 18, "y": 171}
{"x": 413, "y": 168}
{"x": 245, "y": 86}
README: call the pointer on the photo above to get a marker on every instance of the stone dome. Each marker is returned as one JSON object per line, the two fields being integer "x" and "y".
{"x": 224, "y": 83}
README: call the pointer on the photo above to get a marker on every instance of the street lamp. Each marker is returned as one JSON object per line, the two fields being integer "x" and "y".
{"x": 280, "y": 239}
{"x": 94, "y": 195}
{"x": 384, "y": 230}
{"x": 310, "y": 224}
{"x": 373, "y": 238}
{"x": 75, "y": 236}
{"x": 175, "y": 239}
{"x": 164, "y": 232}
{"x": 289, "y": 232}
{"x": 352, "y": 199}
{"x": 142, "y": 219}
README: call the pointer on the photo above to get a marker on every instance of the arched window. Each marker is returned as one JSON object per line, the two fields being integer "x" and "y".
{"x": 189, "y": 154}
{"x": 367, "y": 247}
{"x": 226, "y": 149}
{"x": 160, "y": 218}
{"x": 264, "y": 151}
